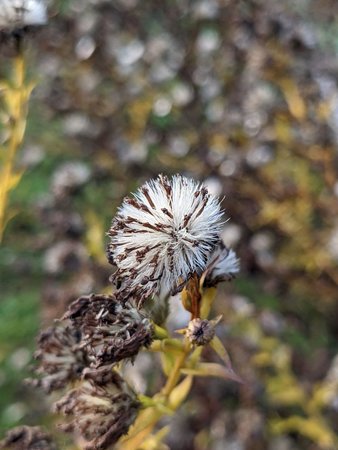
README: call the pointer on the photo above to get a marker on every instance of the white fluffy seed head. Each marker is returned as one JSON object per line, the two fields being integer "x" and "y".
{"x": 21, "y": 13}
{"x": 162, "y": 235}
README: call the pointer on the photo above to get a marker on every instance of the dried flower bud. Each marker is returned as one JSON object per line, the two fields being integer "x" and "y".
{"x": 162, "y": 235}
{"x": 17, "y": 14}
{"x": 61, "y": 356}
{"x": 112, "y": 331}
{"x": 27, "y": 438}
{"x": 102, "y": 409}
{"x": 200, "y": 332}
{"x": 223, "y": 265}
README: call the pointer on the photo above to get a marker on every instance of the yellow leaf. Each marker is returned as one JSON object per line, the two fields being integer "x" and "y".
{"x": 195, "y": 356}
{"x": 212, "y": 370}
{"x": 160, "y": 333}
{"x": 168, "y": 362}
{"x": 322, "y": 394}
{"x": 94, "y": 237}
{"x": 14, "y": 179}
{"x": 3, "y": 86}
{"x": 219, "y": 348}
{"x": 174, "y": 346}
{"x": 285, "y": 390}
{"x": 6, "y": 216}
{"x": 292, "y": 96}
{"x": 180, "y": 393}
{"x": 312, "y": 428}
{"x": 140, "y": 430}
{"x": 208, "y": 298}
{"x": 154, "y": 442}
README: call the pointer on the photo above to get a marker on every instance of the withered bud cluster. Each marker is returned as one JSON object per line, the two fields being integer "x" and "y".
{"x": 61, "y": 357}
{"x": 27, "y": 438}
{"x": 101, "y": 409}
{"x": 200, "y": 332}
{"x": 81, "y": 351}
{"x": 111, "y": 331}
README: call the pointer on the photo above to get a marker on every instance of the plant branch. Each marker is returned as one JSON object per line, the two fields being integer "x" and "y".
{"x": 16, "y": 97}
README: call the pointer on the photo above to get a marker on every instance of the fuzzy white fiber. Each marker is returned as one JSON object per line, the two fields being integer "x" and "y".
{"x": 223, "y": 265}
{"x": 164, "y": 234}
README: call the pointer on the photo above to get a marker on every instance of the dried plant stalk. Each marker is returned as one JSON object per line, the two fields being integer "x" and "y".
{"x": 15, "y": 94}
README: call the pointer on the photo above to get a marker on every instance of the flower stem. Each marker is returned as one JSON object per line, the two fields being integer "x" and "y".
{"x": 176, "y": 372}
{"x": 149, "y": 417}
{"x": 15, "y": 102}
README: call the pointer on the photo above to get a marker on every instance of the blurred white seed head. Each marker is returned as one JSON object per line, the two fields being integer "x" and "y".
{"x": 21, "y": 13}
{"x": 162, "y": 235}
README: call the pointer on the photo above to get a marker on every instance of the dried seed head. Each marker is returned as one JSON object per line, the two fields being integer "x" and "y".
{"x": 223, "y": 265}
{"x": 102, "y": 410}
{"x": 111, "y": 331}
{"x": 200, "y": 332}
{"x": 27, "y": 438}
{"x": 17, "y": 14}
{"x": 162, "y": 235}
{"x": 61, "y": 356}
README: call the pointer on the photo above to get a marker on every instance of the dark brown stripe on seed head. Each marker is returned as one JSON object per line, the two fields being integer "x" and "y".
{"x": 186, "y": 219}
{"x": 152, "y": 227}
{"x": 132, "y": 202}
{"x": 146, "y": 194}
{"x": 165, "y": 183}
{"x": 199, "y": 212}
{"x": 167, "y": 213}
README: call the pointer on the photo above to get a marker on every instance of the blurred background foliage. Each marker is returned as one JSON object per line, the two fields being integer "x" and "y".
{"x": 240, "y": 94}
